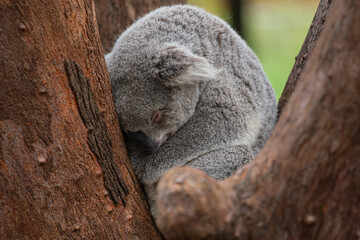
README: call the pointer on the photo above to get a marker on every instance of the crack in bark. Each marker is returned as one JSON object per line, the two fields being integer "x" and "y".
{"x": 98, "y": 136}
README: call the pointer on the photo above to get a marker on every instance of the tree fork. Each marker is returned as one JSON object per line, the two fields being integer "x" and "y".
{"x": 304, "y": 183}
{"x": 64, "y": 171}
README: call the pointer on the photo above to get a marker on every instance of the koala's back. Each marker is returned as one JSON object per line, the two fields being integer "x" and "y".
{"x": 208, "y": 36}
{"x": 204, "y": 34}
{"x": 238, "y": 108}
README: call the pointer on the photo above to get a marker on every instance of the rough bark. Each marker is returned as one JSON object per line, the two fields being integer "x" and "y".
{"x": 114, "y": 16}
{"x": 305, "y": 52}
{"x": 64, "y": 173}
{"x": 305, "y": 182}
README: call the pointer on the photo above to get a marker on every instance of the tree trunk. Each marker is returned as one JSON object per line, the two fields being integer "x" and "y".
{"x": 305, "y": 182}
{"x": 64, "y": 173}
{"x": 114, "y": 16}
{"x": 313, "y": 34}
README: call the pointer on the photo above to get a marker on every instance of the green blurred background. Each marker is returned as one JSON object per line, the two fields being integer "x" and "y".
{"x": 274, "y": 29}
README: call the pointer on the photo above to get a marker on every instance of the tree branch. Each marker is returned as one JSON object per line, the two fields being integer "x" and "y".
{"x": 303, "y": 184}
{"x": 311, "y": 38}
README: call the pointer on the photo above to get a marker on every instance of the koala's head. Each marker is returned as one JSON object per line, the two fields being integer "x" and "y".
{"x": 156, "y": 90}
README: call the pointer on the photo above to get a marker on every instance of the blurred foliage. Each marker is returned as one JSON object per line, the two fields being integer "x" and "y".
{"x": 216, "y": 7}
{"x": 275, "y": 30}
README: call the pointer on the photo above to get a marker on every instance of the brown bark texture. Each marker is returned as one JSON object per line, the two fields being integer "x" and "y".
{"x": 301, "y": 59}
{"x": 64, "y": 171}
{"x": 305, "y": 183}
{"x": 114, "y": 16}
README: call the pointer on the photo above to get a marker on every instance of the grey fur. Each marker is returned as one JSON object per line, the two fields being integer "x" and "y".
{"x": 217, "y": 107}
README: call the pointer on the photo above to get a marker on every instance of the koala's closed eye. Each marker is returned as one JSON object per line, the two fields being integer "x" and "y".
{"x": 156, "y": 117}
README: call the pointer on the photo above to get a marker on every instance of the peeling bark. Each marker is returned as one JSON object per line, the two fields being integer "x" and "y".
{"x": 64, "y": 171}
{"x": 114, "y": 16}
{"x": 304, "y": 184}
{"x": 311, "y": 38}
{"x": 98, "y": 134}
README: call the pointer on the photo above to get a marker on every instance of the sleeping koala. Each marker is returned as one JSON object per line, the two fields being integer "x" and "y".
{"x": 188, "y": 91}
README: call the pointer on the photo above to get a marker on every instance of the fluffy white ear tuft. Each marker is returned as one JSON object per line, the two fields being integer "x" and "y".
{"x": 177, "y": 65}
{"x": 200, "y": 70}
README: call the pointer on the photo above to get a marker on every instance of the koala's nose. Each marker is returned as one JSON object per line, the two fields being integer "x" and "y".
{"x": 141, "y": 141}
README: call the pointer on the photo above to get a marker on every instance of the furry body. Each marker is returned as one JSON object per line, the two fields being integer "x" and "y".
{"x": 192, "y": 90}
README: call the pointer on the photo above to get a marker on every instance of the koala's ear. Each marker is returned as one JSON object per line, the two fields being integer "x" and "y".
{"x": 177, "y": 65}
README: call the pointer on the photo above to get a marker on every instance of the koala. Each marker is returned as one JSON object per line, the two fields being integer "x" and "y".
{"x": 188, "y": 91}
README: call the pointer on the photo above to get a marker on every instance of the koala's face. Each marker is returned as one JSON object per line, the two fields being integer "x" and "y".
{"x": 150, "y": 112}
{"x": 155, "y": 91}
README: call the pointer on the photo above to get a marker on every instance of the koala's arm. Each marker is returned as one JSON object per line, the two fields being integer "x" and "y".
{"x": 221, "y": 163}
{"x": 206, "y": 137}
{"x": 218, "y": 163}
